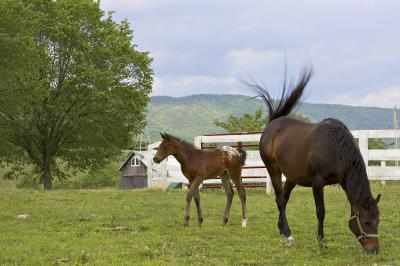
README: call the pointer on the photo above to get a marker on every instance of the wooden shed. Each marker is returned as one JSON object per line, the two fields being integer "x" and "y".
{"x": 134, "y": 171}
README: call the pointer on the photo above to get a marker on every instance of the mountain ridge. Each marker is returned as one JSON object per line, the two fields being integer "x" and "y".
{"x": 193, "y": 115}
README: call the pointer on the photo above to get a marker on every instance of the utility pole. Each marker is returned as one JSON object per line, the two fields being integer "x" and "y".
{"x": 146, "y": 131}
{"x": 395, "y": 127}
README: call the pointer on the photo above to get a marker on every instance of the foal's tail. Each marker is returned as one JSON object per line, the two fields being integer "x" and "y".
{"x": 288, "y": 101}
{"x": 243, "y": 156}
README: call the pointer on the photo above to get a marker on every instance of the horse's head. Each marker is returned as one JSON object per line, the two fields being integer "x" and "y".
{"x": 166, "y": 148}
{"x": 364, "y": 224}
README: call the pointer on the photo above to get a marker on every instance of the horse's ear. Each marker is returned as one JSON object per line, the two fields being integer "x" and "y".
{"x": 162, "y": 135}
{"x": 377, "y": 198}
{"x": 166, "y": 136}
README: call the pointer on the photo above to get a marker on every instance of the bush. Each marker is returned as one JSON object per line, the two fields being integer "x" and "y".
{"x": 99, "y": 178}
{"x": 28, "y": 181}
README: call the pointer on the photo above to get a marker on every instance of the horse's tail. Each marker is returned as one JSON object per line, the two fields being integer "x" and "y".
{"x": 288, "y": 101}
{"x": 243, "y": 156}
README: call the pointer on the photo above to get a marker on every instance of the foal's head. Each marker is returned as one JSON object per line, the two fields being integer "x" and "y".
{"x": 167, "y": 147}
{"x": 364, "y": 224}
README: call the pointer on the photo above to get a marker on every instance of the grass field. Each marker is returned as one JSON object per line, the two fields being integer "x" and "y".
{"x": 115, "y": 227}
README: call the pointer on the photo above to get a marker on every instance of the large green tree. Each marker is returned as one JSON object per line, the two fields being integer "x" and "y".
{"x": 73, "y": 87}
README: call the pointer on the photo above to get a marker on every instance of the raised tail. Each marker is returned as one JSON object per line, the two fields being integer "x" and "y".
{"x": 243, "y": 156}
{"x": 288, "y": 101}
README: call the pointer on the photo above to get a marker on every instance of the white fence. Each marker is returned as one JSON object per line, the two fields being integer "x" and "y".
{"x": 254, "y": 171}
{"x": 382, "y": 172}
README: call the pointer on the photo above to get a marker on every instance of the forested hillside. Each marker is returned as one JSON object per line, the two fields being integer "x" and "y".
{"x": 193, "y": 115}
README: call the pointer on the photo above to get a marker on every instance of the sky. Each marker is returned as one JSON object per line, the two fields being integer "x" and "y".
{"x": 212, "y": 46}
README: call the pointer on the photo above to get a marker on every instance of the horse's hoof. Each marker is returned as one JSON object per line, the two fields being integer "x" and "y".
{"x": 244, "y": 223}
{"x": 200, "y": 222}
{"x": 288, "y": 241}
{"x": 186, "y": 219}
{"x": 322, "y": 245}
{"x": 185, "y": 223}
{"x": 224, "y": 221}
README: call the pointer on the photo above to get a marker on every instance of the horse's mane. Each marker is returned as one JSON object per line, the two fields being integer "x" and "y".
{"x": 183, "y": 142}
{"x": 351, "y": 167}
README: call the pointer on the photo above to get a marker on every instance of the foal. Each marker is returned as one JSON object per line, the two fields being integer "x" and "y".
{"x": 198, "y": 165}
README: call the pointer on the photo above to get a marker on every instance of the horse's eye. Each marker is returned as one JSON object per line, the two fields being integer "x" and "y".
{"x": 367, "y": 222}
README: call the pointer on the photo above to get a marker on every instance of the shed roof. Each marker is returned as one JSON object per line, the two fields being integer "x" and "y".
{"x": 143, "y": 156}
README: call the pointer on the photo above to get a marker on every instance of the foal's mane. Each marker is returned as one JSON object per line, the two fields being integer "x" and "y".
{"x": 351, "y": 167}
{"x": 181, "y": 141}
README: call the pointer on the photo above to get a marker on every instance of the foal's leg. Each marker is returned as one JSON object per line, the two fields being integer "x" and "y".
{"x": 197, "y": 201}
{"x": 229, "y": 196}
{"x": 318, "y": 192}
{"x": 189, "y": 195}
{"x": 242, "y": 196}
{"x": 276, "y": 179}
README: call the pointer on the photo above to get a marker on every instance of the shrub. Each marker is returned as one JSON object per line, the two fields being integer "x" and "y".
{"x": 99, "y": 178}
{"x": 27, "y": 181}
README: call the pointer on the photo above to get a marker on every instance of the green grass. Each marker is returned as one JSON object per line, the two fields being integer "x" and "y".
{"x": 116, "y": 227}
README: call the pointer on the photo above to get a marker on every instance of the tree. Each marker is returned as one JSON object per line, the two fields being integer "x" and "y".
{"x": 248, "y": 122}
{"x": 73, "y": 87}
{"x": 301, "y": 117}
{"x": 377, "y": 144}
{"x": 244, "y": 123}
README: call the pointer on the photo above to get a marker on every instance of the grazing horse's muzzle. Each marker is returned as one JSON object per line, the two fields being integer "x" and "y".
{"x": 368, "y": 241}
{"x": 156, "y": 160}
{"x": 374, "y": 251}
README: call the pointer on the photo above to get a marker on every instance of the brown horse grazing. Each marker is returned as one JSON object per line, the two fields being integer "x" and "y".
{"x": 315, "y": 155}
{"x": 199, "y": 165}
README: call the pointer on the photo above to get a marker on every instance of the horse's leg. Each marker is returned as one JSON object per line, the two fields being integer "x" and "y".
{"x": 197, "y": 201}
{"x": 229, "y": 196}
{"x": 276, "y": 179}
{"x": 189, "y": 195}
{"x": 318, "y": 192}
{"x": 287, "y": 189}
{"x": 242, "y": 195}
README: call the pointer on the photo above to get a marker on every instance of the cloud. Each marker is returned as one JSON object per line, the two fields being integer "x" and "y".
{"x": 186, "y": 85}
{"x": 384, "y": 98}
{"x": 387, "y": 97}
{"x": 252, "y": 62}
{"x": 198, "y": 48}
{"x": 136, "y": 4}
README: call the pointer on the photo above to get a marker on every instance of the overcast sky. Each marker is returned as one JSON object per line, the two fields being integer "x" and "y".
{"x": 209, "y": 46}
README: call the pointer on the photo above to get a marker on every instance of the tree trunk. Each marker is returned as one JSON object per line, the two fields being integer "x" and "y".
{"x": 47, "y": 178}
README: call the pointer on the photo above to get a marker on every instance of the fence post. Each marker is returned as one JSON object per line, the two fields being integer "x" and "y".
{"x": 197, "y": 142}
{"x": 383, "y": 164}
{"x": 363, "y": 145}
{"x": 150, "y": 169}
{"x": 268, "y": 187}
{"x": 164, "y": 173}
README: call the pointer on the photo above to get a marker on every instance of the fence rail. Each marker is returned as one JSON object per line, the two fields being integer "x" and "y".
{"x": 254, "y": 171}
